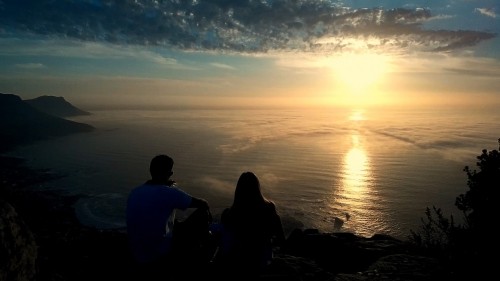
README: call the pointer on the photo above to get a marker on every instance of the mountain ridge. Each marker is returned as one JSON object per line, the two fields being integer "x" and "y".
{"x": 56, "y": 106}
{"x": 21, "y": 123}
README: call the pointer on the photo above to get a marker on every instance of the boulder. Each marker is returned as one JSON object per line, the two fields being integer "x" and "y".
{"x": 18, "y": 250}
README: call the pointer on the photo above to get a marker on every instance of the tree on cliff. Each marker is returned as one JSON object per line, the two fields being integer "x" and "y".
{"x": 478, "y": 204}
{"x": 467, "y": 246}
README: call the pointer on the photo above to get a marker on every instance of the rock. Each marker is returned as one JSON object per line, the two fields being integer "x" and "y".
{"x": 351, "y": 257}
{"x": 18, "y": 250}
{"x": 288, "y": 267}
{"x": 399, "y": 267}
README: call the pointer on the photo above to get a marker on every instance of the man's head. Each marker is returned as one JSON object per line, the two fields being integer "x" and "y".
{"x": 160, "y": 167}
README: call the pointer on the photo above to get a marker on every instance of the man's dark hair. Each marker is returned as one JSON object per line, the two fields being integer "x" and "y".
{"x": 160, "y": 165}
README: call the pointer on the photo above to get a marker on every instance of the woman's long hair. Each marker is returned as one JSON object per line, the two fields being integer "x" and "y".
{"x": 247, "y": 194}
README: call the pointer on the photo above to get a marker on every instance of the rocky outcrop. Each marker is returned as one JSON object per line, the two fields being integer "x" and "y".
{"x": 18, "y": 250}
{"x": 399, "y": 267}
{"x": 345, "y": 256}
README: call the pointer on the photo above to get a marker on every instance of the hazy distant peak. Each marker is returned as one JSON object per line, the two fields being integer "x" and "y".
{"x": 22, "y": 123}
{"x": 56, "y": 106}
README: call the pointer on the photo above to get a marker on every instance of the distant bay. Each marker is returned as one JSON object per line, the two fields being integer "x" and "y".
{"x": 376, "y": 169}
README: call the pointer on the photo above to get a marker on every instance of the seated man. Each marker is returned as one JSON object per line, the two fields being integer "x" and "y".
{"x": 150, "y": 218}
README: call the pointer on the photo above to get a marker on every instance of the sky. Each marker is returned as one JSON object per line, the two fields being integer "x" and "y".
{"x": 221, "y": 53}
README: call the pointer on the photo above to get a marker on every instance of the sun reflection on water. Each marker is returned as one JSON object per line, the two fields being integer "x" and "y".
{"x": 357, "y": 115}
{"x": 356, "y": 174}
{"x": 355, "y": 198}
{"x": 356, "y": 171}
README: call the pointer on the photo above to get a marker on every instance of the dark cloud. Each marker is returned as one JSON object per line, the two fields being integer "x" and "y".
{"x": 241, "y": 26}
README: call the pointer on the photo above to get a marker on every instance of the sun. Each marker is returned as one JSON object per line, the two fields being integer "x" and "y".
{"x": 357, "y": 74}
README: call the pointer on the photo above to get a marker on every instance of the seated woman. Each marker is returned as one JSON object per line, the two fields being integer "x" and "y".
{"x": 251, "y": 229}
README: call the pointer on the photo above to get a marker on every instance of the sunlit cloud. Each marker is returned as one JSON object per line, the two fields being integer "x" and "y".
{"x": 30, "y": 65}
{"x": 478, "y": 67}
{"x": 235, "y": 26}
{"x": 159, "y": 58}
{"x": 84, "y": 50}
{"x": 440, "y": 17}
{"x": 222, "y": 66}
{"x": 443, "y": 63}
{"x": 249, "y": 52}
{"x": 490, "y": 12}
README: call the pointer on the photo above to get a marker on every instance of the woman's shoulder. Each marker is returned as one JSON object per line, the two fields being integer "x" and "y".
{"x": 270, "y": 206}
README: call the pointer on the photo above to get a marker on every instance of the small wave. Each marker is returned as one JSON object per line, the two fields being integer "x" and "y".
{"x": 100, "y": 211}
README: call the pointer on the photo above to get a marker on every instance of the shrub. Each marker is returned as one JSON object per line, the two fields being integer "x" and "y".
{"x": 468, "y": 246}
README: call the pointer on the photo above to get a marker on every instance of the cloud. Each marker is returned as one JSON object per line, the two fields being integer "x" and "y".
{"x": 234, "y": 26}
{"x": 222, "y": 66}
{"x": 480, "y": 67}
{"x": 86, "y": 50}
{"x": 487, "y": 12}
{"x": 30, "y": 65}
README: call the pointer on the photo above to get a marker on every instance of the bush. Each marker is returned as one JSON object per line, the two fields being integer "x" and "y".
{"x": 478, "y": 203}
{"x": 466, "y": 246}
{"x": 435, "y": 232}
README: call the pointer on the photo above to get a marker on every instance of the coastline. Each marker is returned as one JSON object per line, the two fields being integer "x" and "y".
{"x": 66, "y": 249}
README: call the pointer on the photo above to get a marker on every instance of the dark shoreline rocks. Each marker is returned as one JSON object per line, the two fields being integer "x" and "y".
{"x": 18, "y": 250}
{"x": 43, "y": 240}
{"x": 66, "y": 249}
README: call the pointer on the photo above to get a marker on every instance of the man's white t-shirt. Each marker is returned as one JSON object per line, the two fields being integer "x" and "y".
{"x": 150, "y": 215}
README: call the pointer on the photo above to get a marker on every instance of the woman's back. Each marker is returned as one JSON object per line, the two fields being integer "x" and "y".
{"x": 250, "y": 235}
{"x": 251, "y": 227}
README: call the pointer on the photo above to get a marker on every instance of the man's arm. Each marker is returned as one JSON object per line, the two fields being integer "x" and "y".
{"x": 198, "y": 203}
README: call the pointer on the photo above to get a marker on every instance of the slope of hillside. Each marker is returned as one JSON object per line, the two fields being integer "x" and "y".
{"x": 21, "y": 123}
{"x": 56, "y": 106}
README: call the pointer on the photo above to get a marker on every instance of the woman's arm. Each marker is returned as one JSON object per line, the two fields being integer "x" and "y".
{"x": 277, "y": 226}
{"x": 278, "y": 230}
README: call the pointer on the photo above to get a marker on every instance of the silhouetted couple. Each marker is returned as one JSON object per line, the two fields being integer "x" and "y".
{"x": 163, "y": 246}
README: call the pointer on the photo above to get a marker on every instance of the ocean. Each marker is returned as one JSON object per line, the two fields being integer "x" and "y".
{"x": 377, "y": 170}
